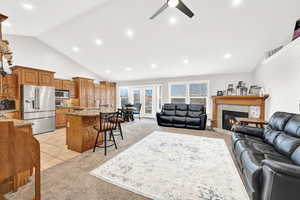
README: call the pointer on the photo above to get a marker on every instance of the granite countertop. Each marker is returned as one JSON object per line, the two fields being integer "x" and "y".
{"x": 7, "y": 111}
{"x": 85, "y": 113}
{"x": 77, "y": 108}
{"x": 17, "y": 123}
{"x": 69, "y": 107}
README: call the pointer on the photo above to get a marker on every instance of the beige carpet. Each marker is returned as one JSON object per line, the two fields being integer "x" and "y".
{"x": 71, "y": 180}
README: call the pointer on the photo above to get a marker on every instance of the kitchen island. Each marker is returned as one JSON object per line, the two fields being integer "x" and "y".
{"x": 80, "y": 132}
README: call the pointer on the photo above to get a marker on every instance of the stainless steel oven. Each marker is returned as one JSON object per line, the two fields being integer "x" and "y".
{"x": 62, "y": 94}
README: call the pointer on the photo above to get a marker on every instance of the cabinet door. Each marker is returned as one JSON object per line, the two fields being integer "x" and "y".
{"x": 66, "y": 85}
{"x": 91, "y": 94}
{"x": 9, "y": 87}
{"x": 46, "y": 78}
{"x": 83, "y": 93}
{"x": 73, "y": 89}
{"x": 30, "y": 77}
{"x": 58, "y": 84}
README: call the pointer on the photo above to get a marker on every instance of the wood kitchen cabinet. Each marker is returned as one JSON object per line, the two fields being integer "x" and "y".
{"x": 85, "y": 92}
{"x": 73, "y": 89}
{"x": 46, "y": 78}
{"x": 66, "y": 85}
{"x": 61, "y": 117}
{"x": 58, "y": 84}
{"x": 108, "y": 94}
{"x": 70, "y": 86}
{"x": 9, "y": 87}
{"x": 31, "y": 76}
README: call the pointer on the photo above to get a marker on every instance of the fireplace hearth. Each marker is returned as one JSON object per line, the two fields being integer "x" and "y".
{"x": 229, "y": 118}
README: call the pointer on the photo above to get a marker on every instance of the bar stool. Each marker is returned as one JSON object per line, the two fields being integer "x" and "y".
{"x": 121, "y": 119}
{"x": 108, "y": 123}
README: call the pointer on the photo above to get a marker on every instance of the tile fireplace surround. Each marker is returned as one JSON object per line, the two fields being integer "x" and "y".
{"x": 253, "y": 105}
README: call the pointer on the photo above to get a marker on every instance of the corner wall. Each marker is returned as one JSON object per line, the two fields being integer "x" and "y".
{"x": 280, "y": 76}
{"x": 31, "y": 52}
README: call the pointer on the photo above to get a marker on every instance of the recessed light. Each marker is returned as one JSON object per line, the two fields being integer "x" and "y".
{"x": 128, "y": 69}
{"x": 172, "y": 20}
{"x": 236, "y": 3}
{"x": 129, "y": 33}
{"x": 173, "y": 3}
{"x": 75, "y": 49}
{"x": 6, "y": 24}
{"x": 186, "y": 61}
{"x": 107, "y": 71}
{"x": 153, "y": 66}
{"x": 227, "y": 56}
{"x": 99, "y": 42}
{"x": 27, "y": 6}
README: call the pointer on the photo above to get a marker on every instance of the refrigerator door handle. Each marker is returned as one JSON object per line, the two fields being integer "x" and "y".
{"x": 38, "y": 97}
{"x": 35, "y": 99}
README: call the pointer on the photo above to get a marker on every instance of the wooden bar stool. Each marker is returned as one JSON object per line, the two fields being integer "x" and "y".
{"x": 121, "y": 119}
{"x": 108, "y": 123}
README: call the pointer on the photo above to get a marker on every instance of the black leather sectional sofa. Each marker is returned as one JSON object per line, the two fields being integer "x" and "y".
{"x": 269, "y": 158}
{"x": 192, "y": 116}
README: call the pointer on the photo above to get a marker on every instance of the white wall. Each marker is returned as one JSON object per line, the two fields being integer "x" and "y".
{"x": 216, "y": 82}
{"x": 280, "y": 76}
{"x": 31, "y": 52}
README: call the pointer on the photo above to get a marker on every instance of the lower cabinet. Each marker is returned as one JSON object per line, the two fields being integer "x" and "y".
{"x": 61, "y": 117}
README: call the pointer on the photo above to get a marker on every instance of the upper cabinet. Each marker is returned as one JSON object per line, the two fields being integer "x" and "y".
{"x": 58, "y": 84}
{"x": 46, "y": 78}
{"x": 9, "y": 86}
{"x": 30, "y": 76}
{"x": 85, "y": 91}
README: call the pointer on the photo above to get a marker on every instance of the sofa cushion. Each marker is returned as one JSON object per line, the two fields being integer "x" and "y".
{"x": 279, "y": 120}
{"x": 166, "y": 119}
{"x": 292, "y": 127}
{"x": 181, "y": 110}
{"x": 169, "y": 109}
{"x": 193, "y": 121}
{"x": 296, "y": 156}
{"x": 179, "y": 121}
{"x": 286, "y": 144}
{"x": 270, "y": 135}
{"x": 195, "y": 110}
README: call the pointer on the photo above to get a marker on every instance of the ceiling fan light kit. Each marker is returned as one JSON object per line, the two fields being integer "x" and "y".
{"x": 174, "y": 4}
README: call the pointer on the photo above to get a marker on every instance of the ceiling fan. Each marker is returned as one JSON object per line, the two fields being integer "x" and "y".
{"x": 174, "y": 4}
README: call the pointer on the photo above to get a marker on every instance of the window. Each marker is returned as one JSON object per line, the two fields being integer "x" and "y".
{"x": 148, "y": 101}
{"x": 124, "y": 96}
{"x": 191, "y": 93}
{"x": 178, "y": 93}
{"x": 159, "y": 97}
{"x": 198, "y": 93}
{"x": 136, "y": 96}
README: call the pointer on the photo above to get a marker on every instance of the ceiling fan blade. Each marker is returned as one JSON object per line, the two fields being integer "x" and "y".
{"x": 165, "y": 6}
{"x": 183, "y": 8}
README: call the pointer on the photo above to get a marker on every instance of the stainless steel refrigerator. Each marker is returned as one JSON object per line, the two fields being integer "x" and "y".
{"x": 38, "y": 106}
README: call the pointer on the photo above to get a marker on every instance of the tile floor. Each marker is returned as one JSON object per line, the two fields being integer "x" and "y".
{"x": 54, "y": 149}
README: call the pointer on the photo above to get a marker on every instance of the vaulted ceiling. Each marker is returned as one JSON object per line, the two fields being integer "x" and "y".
{"x": 116, "y": 39}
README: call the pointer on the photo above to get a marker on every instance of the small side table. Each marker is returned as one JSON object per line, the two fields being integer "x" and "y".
{"x": 257, "y": 122}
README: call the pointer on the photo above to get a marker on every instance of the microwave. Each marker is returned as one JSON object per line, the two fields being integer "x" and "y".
{"x": 62, "y": 94}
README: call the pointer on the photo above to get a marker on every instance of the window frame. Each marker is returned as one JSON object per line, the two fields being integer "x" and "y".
{"x": 188, "y": 97}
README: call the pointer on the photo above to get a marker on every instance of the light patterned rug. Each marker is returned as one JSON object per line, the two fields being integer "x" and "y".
{"x": 170, "y": 166}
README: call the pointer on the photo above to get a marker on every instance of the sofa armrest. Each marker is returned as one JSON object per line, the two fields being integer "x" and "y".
{"x": 280, "y": 181}
{"x": 249, "y": 130}
{"x": 283, "y": 168}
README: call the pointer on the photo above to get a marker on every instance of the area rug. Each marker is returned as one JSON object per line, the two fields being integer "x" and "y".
{"x": 165, "y": 166}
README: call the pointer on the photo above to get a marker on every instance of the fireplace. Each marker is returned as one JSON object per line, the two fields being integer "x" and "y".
{"x": 229, "y": 118}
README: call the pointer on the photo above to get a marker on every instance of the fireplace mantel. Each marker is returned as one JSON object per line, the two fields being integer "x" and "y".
{"x": 249, "y": 100}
